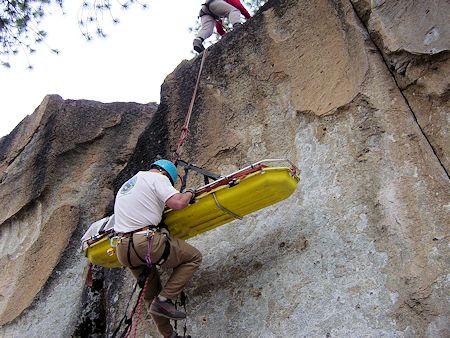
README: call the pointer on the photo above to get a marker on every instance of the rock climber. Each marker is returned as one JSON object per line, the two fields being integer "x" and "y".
{"x": 212, "y": 13}
{"x": 143, "y": 245}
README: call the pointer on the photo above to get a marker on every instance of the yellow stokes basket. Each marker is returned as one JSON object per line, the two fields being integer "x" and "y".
{"x": 222, "y": 201}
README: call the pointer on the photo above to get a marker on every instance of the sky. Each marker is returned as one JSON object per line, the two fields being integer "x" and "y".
{"x": 128, "y": 66}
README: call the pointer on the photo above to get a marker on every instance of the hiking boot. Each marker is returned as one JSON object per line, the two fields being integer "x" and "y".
{"x": 165, "y": 308}
{"x": 198, "y": 45}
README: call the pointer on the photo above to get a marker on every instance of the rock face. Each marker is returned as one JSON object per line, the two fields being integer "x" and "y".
{"x": 413, "y": 37}
{"x": 360, "y": 250}
{"x": 57, "y": 167}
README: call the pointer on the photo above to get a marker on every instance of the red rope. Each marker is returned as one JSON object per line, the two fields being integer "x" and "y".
{"x": 140, "y": 307}
{"x": 185, "y": 128}
{"x": 148, "y": 259}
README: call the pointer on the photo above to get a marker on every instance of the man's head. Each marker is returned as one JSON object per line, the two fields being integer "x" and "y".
{"x": 168, "y": 168}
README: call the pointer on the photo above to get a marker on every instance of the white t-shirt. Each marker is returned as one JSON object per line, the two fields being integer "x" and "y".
{"x": 141, "y": 201}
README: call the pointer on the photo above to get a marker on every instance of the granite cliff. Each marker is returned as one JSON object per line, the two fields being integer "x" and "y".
{"x": 355, "y": 93}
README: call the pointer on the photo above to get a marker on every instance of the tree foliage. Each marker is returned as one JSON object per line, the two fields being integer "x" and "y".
{"x": 94, "y": 13}
{"x": 254, "y": 4}
{"x": 20, "y": 23}
{"x": 19, "y": 26}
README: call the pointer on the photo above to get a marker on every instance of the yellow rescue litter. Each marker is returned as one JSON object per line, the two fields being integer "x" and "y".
{"x": 103, "y": 253}
{"x": 98, "y": 243}
{"x": 224, "y": 200}
{"x": 241, "y": 196}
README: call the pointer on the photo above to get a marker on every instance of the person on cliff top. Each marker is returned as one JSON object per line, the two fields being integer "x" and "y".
{"x": 143, "y": 245}
{"x": 212, "y": 13}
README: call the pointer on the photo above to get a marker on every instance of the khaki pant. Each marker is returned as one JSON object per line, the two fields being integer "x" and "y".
{"x": 184, "y": 259}
{"x": 221, "y": 9}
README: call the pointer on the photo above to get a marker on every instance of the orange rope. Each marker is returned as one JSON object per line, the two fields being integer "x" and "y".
{"x": 185, "y": 128}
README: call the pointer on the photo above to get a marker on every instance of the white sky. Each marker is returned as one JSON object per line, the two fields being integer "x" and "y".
{"x": 128, "y": 66}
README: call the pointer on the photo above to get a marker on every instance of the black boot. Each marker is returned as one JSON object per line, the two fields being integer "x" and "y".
{"x": 198, "y": 45}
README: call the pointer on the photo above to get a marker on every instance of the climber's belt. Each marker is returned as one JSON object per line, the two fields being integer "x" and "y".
{"x": 143, "y": 230}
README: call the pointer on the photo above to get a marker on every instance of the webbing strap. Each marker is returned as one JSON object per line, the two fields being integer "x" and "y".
{"x": 130, "y": 241}
{"x": 221, "y": 207}
{"x": 185, "y": 128}
{"x": 147, "y": 259}
{"x": 189, "y": 166}
{"x": 148, "y": 256}
{"x": 131, "y": 245}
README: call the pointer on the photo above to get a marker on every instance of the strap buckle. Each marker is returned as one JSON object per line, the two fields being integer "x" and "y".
{"x": 150, "y": 232}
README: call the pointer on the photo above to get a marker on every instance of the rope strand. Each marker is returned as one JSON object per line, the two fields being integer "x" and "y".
{"x": 148, "y": 260}
{"x": 185, "y": 128}
{"x": 139, "y": 311}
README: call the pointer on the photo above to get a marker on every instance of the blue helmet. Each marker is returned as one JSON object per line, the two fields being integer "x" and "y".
{"x": 169, "y": 167}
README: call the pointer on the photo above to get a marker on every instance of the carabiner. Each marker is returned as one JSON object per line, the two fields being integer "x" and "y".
{"x": 113, "y": 241}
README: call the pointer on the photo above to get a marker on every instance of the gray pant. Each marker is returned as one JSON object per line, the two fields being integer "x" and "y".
{"x": 221, "y": 9}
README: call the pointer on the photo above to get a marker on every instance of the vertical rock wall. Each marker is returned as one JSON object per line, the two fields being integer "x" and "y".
{"x": 57, "y": 168}
{"x": 414, "y": 39}
{"x": 360, "y": 250}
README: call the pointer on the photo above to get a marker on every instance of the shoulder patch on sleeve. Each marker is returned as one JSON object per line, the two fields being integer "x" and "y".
{"x": 128, "y": 185}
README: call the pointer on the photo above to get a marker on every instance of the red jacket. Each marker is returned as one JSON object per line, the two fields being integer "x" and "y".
{"x": 237, "y": 4}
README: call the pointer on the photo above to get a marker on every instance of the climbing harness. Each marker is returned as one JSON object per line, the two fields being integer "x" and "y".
{"x": 147, "y": 259}
{"x": 185, "y": 128}
{"x": 202, "y": 12}
{"x": 129, "y": 247}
